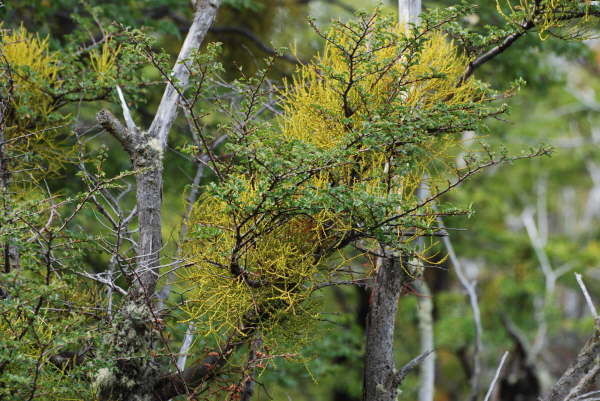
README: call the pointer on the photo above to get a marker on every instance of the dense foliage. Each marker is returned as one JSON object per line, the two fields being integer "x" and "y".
{"x": 303, "y": 185}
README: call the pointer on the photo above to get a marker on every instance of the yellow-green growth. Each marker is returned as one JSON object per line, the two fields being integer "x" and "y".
{"x": 552, "y": 17}
{"x": 31, "y": 68}
{"x": 32, "y": 122}
{"x": 282, "y": 257}
{"x": 104, "y": 61}
{"x": 248, "y": 268}
{"x": 325, "y": 126}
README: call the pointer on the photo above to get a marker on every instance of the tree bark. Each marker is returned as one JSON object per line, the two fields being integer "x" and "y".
{"x": 150, "y": 155}
{"x": 425, "y": 316}
{"x": 380, "y": 382}
{"x": 134, "y": 334}
{"x": 380, "y": 377}
{"x": 149, "y": 202}
{"x": 146, "y": 152}
{"x": 581, "y": 374}
{"x": 408, "y": 11}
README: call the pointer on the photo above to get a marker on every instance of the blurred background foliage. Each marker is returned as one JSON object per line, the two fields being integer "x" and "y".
{"x": 543, "y": 211}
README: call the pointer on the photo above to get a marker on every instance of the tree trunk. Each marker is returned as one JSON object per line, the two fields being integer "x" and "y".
{"x": 582, "y": 373}
{"x": 149, "y": 155}
{"x": 380, "y": 382}
{"x": 408, "y": 11}
{"x": 149, "y": 202}
{"x": 425, "y": 316}
{"x": 134, "y": 333}
{"x": 380, "y": 378}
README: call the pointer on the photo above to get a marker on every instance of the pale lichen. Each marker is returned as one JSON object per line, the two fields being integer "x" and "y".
{"x": 156, "y": 145}
{"x": 130, "y": 347}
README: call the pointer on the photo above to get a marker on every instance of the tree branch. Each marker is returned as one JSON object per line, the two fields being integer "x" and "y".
{"x": 126, "y": 113}
{"x": 406, "y": 369}
{"x": 496, "y": 376}
{"x": 471, "y": 287}
{"x": 182, "y": 25}
{"x": 206, "y": 11}
{"x": 490, "y": 54}
{"x": 110, "y": 123}
{"x": 236, "y": 30}
{"x": 587, "y": 296}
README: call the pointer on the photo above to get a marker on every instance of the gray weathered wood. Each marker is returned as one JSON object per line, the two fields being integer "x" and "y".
{"x": 581, "y": 374}
{"x": 138, "y": 378}
{"x": 380, "y": 368}
{"x": 206, "y": 11}
{"x": 146, "y": 152}
{"x": 150, "y": 156}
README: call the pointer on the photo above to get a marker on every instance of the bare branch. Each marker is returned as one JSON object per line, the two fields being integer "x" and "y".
{"x": 236, "y": 30}
{"x": 406, "y": 369}
{"x": 126, "y": 113}
{"x": 460, "y": 178}
{"x": 110, "y": 123}
{"x": 496, "y": 376}
{"x": 586, "y": 294}
{"x": 551, "y": 275}
{"x": 185, "y": 347}
{"x": 104, "y": 281}
{"x": 206, "y": 11}
{"x": 470, "y": 287}
{"x": 492, "y": 53}
{"x": 361, "y": 282}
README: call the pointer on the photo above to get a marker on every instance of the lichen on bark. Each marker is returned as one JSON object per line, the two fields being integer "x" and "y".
{"x": 130, "y": 346}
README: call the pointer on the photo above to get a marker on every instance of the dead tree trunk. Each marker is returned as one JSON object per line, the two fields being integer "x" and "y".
{"x": 134, "y": 334}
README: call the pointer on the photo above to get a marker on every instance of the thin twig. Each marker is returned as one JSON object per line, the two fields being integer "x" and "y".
{"x": 496, "y": 376}
{"x": 587, "y": 296}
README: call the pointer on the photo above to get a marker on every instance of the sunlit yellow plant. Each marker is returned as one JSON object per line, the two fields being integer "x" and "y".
{"x": 104, "y": 61}
{"x": 552, "y": 17}
{"x": 246, "y": 263}
{"x": 32, "y": 70}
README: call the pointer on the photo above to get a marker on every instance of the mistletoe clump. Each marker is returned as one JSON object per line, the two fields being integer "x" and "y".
{"x": 360, "y": 128}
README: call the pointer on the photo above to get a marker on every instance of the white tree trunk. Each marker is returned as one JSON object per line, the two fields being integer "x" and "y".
{"x": 409, "y": 11}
